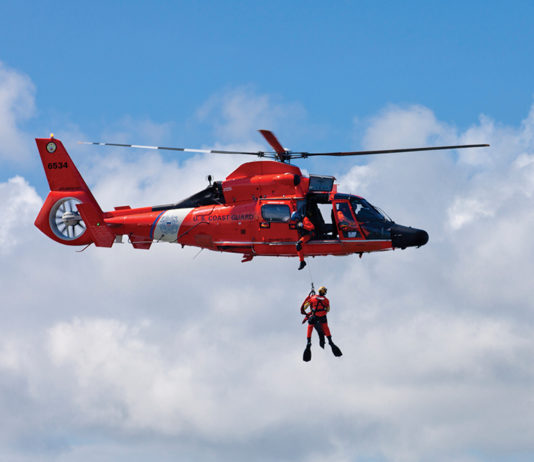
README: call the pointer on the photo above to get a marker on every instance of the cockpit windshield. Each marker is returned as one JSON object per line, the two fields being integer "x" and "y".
{"x": 364, "y": 211}
{"x": 374, "y": 224}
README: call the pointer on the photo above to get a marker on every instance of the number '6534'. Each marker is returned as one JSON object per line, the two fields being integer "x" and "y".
{"x": 57, "y": 165}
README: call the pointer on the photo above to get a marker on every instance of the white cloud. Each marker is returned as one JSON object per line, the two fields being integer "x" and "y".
{"x": 167, "y": 353}
{"x": 238, "y": 113}
{"x": 17, "y": 104}
{"x": 409, "y": 127}
{"x": 145, "y": 131}
{"x": 19, "y": 205}
{"x": 115, "y": 378}
{"x": 465, "y": 210}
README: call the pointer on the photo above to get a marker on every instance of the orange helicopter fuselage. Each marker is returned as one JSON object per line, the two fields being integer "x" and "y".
{"x": 255, "y": 211}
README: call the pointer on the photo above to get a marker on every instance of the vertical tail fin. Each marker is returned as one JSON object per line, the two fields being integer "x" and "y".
{"x": 61, "y": 173}
{"x": 70, "y": 214}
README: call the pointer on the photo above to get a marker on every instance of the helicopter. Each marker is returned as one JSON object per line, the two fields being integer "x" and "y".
{"x": 255, "y": 211}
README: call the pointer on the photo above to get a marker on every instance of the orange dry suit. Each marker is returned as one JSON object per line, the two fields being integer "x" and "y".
{"x": 346, "y": 223}
{"x": 319, "y": 305}
{"x": 306, "y": 232}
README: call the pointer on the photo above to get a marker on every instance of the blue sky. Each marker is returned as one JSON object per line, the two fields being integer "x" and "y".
{"x": 119, "y": 354}
{"x": 94, "y": 65}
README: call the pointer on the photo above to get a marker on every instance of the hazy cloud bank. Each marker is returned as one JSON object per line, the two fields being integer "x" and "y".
{"x": 164, "y": 351}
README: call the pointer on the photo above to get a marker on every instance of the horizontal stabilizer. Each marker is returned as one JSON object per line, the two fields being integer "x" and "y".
{"x": 100, "y": 232}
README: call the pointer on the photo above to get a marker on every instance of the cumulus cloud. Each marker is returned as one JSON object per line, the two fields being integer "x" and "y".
{"x": 405, "y": 127}
{"x": 168, "y": 351}
{"x": 145, "y": 131}
{"x": 237, "y": 113}
{"x": 19, "y": 204}
{"x": 17, "y": 104}
{"x": 474, "y": 272}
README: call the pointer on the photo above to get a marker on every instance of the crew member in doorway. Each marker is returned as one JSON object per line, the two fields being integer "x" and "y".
{"x": 345, "y": 221}
{"x": 306, "y": 232}
{"x": 318, "y": 306}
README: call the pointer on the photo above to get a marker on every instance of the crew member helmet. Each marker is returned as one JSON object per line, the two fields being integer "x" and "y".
{"x": 322, "y": 290}
{"x": 296, "y": 216}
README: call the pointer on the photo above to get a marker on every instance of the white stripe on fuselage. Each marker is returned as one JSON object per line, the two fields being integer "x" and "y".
{"x": 169, "y": 224}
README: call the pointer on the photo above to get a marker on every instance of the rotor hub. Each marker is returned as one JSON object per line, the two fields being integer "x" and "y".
{"x": 65, "y": 220}
{"x": 71, "y": 218}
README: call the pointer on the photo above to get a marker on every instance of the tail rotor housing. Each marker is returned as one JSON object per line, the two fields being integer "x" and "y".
{"x": 65, "y": 220}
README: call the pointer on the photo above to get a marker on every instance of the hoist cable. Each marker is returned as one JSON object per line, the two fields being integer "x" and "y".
{"x": 311, "y": 279}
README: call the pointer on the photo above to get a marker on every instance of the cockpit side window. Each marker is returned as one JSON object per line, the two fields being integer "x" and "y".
{"x": 347, "y": 226}
{"x": 372, "y": 223}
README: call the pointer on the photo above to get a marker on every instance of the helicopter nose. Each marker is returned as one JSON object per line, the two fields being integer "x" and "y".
{"x": 405, "y": 236}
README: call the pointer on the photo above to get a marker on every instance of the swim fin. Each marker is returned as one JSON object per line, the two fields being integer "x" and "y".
{"x": 335, "y": 349}
{"x": 307, "y": 353}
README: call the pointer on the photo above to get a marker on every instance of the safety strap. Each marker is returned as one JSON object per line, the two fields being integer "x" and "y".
{"x": 323, "y": 307}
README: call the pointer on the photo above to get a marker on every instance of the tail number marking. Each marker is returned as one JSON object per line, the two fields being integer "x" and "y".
{"x": 57, "y": 165}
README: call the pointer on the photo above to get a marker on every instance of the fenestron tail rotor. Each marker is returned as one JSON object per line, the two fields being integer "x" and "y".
{"x": 283, "y": 155}
{"x": 65, "y": 220}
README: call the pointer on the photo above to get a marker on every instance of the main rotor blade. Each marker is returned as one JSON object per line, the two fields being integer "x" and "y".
{"x": 273, "y": 141}
{"x": 166, "y": 148}
{"x": 283, "y": 154}
{"x": 384, "y": 151}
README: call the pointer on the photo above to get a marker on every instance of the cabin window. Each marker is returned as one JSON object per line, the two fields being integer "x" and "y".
{"x": 275, "y": 212}
{"x": 321, "y": 183}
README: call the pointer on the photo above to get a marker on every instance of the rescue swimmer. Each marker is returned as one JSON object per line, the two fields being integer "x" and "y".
{"x": 319, "y": 306}
{"x": 306, "y": 231}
